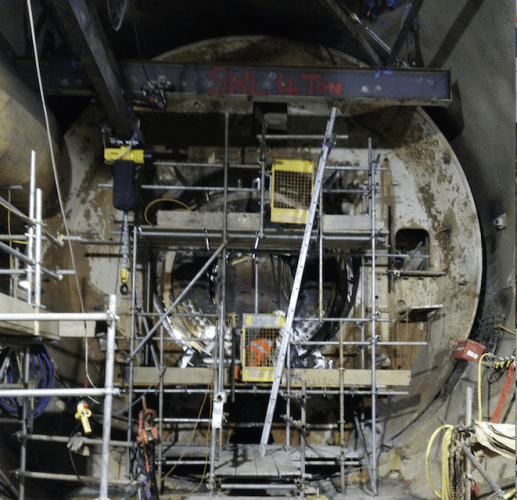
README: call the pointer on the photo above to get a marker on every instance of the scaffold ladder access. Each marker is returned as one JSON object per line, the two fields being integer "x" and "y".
{"x": 318, "y": 181}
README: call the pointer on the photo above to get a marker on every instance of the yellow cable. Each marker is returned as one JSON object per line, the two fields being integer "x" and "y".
{"x": 19, "y": 214}
{"x": 509, "y": 494}
{"x": 445, "y": 495}
{"x": 480, "y": 413}
{"x": 505, "y": 329}
{"x": 193, "y": 432}
{"x": 159, "y": 200}
{"x": 23, "y": 216}
{"x": 206, "y": 457}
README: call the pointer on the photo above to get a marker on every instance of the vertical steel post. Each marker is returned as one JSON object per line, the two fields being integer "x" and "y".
{"x": 320, "y": 275}
{"x": 108, "y": 399}
{"x": 303, "y": 419}
{"x": 363, "y": 311}
{"x": 222, "y": 331}
{"x": 213, "y": 443}
{"x": 341, "y": 410}
{"x": 131, "y": 359}
{"x": 219, "y": 349}
{"x": 37, "y": 259}
{"x": 468, "y": 423}
{"x": 297, "y": 284}
{"x": 160, "y": 409}
{"x": 25, "y": 425}
{"x": 262, "y": 177}
{"x": 30, "y": 239}
{"x": 15, "y": 280}
{"x": 288, "y": 401}
{"x": 372, "y": 191}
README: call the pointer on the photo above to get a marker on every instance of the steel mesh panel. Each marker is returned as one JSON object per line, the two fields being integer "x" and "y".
{"x": 292, "y": 186}
{"x": 292, "y": 190}
{"x": 260, "y": 345}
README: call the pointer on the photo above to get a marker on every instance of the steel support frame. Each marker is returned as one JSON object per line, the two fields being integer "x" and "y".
{"x": 34, "y": 271}
{"x": 108, "y": 391}
{"x": 84, "y": 30}
{"x": 406, "y": 27}
{"x": 373, "y": 56}
{"x": 373, "y": 341}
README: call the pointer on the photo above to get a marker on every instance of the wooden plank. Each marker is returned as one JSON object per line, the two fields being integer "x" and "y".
{"x": 47, "y": 329}
{"x": 226, "y": 464}
{"x": 353, "y": 378}
{"x": 245, "y": 464}
{"x": 145, "y": 375}
{"x": 199, "y": 221}
{"x": 323, "y": 451}
{"x": 348, "y": 225}
{"x": 266, "y": 466}
{"x": 314, "y": 378}
{"x": 76, "y": 329}
{"x": 284, "y": 464}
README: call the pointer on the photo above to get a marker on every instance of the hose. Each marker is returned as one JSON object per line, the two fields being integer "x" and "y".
{"x": 483, "y": 356}
{"x": 446, "y": 493}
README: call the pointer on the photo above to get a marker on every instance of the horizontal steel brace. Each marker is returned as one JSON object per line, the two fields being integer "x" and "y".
{"x": 428, "y": 87}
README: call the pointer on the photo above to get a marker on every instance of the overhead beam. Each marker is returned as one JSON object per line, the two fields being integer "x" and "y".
{"x": 83, "y": 29}
{"x": 400, "y": 86}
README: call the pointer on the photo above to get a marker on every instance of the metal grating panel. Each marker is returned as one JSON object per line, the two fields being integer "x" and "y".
{"x": 293, "y": 182}
{"x": 259, "y": 335}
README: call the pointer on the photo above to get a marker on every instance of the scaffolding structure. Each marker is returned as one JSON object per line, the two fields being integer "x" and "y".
{"x": 227, "y": 234}
{"x": 230, "y": 232}
{"x": 33, "y": 274}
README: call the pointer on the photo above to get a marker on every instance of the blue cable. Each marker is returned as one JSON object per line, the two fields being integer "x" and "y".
{"x": 46, "y": 373}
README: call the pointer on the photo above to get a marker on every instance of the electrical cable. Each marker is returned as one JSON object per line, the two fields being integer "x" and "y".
{"x": 90, "y": 486}
{"x": 138, "y": 45}
{"x": 72, "y": 461}
{"x": 192, "y": 436}
{"x": 480, "y": 412}
{"x": 56, "y": 180}
{"x": 118, "y": 265}
{"x": 122, "y": 15}
{"x": 160, "y": 200}
{"x": 504, "y": 393}
{"x": 142, "y": 395}
{"x": 505, "y": 329}
{"x": 35, "y": 221}
{"x": 206, "y": 460}
{"x": 446, "y": 486}
{"x": 43, "y": 376}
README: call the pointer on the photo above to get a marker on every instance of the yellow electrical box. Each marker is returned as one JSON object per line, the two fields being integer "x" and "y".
{"x": 124, "y": 153}
{"x": 292, "y": 186}
{"x": 260, "y": 333}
